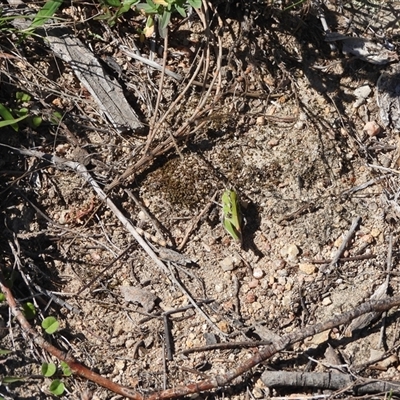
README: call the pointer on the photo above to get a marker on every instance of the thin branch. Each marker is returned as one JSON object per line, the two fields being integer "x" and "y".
{"x": 327, "y": 269}
{"x": 152, "y": 132}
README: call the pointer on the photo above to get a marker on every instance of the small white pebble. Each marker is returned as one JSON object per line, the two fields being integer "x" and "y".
{"x": 290, "y": 252}
{"x": 219, "y": 287}
{"x": 299, "y": 125}
{"x": 119, "y": 365}
{"x": 142, "y": 216}
{"x": 258, "y": 273}
{"x": 326, "y": 301}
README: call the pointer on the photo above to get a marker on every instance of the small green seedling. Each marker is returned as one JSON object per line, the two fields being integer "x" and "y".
{"x": 50, "y": 325}
{"x": 48, "y": 369}
{"x": 29, "y": 310}
{"x": 57, "y": 387}
{"x": 231, "y": 215}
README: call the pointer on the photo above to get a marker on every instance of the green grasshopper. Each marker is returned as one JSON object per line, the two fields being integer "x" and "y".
{"x": 231, "y": 215}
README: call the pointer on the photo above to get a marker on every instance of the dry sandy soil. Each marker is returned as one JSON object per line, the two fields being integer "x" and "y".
{"x": 284, "y": 125}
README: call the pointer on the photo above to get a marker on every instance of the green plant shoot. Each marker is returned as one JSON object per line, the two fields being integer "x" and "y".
{"x": 231, "y": 216}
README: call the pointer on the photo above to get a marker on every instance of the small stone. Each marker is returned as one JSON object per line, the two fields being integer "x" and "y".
{"x": 282, "y": 280}
{"x": 260, "y": 120}
{"x": 375, "y": 354}
{"x": 223, "y": 326}
{"x": 326, "y": 301}
{"x": 375, "y": 232}
{"x": 142, "y": 216}
{"x": 307, "y": 268}
{"x": 136, "y": 294}
{"x": 299, "y": 124}
{"x": 229, "y": 263}
{"x": 253, "y": 283}
{"x": 250, "y": 297}
{"x": 256, "y": 306}
{"x": 130, "y": 343}
{"x": 367, "y": 238}
{"x": 62, "y": 148}
{"x": 271, "y": 280}
{"x": 318, "y": 338}
{"x": 362, "y": 94}
{"x": 337, "y": 243}
{"x": 119, "y": 365}
{"x": 219, "y": 287}
{"x": 273, "y": 143}
{"x": 258, "y": 273}
{"x": 210, "y": 338}
{"x": 290, "y": 252}
{"x": 282, "y": 272}
{"x": 257, "y": 393}
{"x": 372, "y": 128}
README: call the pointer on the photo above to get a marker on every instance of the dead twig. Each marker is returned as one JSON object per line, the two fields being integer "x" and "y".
{"x": 226, "y": 346}
{"x": 388, "y": 270}
{"x": 328, "y": 268}
{"x": 343, "y": 259}
{"x": 152, "y": 131}
{"x": 329, "y": 381}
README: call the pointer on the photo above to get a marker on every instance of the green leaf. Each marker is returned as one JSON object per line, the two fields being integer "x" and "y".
{"x": 4, "y": 352}
{"x": 56, "y": 118}
{"x": 129, "y": 3}
{"x": 113, "y": 3}
{"x": 147, "y": 8}
{"x": 180, "y": 10}
{"x": 8, "y": 118}
{"x": 48, "y": 369}
{"x": 22, "y": 97}
{"x": 46, "y": 12}
{"x": 57, "y": 387}
{"x": 29, "y": 310}
{"x": 36, "y": 121}
{"x": 14, "y": 121}
{"x": 152, "y": 4}
{"x": 50, "y": 325}
{"x": 2, "y": 297}
{"x": 65, "y": 369}
{"x": 22, "y": 112}
{"x": 163, "y": 24}
{"x": 231, "y": 215}
{"x": 11, "y": 379}
{"x": 195, "y": 3}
